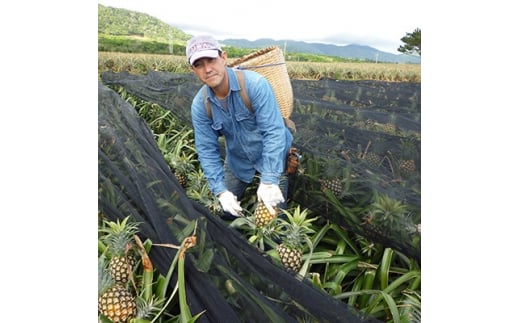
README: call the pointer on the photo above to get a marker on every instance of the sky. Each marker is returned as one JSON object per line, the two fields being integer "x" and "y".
{"x": 378, "y": 24}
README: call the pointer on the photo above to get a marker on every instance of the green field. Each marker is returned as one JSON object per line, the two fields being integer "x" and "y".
{"x": 141, "y": 63}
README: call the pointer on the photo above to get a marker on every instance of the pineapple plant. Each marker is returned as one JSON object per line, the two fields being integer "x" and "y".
{"x": 337, "y": 178}
{"x": 118, "y": 300}
{"x": 182, "y": 166}
{"x": 387, "y": 215}
{"x": 373, "y": 230}
{"x": 294, "y": 236}
{"x": 198, "y": 190}
{"x": 119, "y": 237}
{"x": 262, "y": 216}
{"x": 178, "y": 151}
{"x": 115, "y": 302}
{"x": 374, "y": 157}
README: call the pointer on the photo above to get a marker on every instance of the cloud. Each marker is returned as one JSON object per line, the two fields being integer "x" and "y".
{"x": 378, "y": 24}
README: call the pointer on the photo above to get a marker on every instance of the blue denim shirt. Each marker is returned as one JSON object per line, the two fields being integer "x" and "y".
{"x": 256, "y": 141}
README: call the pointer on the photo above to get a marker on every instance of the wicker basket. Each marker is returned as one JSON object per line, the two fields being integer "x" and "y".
{"x": 270, "y": 62}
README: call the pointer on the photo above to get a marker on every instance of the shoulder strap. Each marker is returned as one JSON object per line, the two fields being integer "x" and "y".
{"x": 243, "y": 94}
{"x": 243, "y": 91}
{"x": 207, "y": 103}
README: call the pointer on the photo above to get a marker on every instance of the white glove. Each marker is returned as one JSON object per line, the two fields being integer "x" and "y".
{"x": 229, "y": 203}
{"x": 271, "y": 195}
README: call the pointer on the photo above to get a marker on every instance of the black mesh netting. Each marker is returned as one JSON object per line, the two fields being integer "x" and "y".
{"x": 366, "y": 134}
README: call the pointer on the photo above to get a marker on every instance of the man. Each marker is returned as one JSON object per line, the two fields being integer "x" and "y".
{"x": 257, "y": 141}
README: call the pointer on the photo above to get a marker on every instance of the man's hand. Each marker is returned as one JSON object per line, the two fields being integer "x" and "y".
{"x": 271, "y": 195}
{"x": 229, "y": 203}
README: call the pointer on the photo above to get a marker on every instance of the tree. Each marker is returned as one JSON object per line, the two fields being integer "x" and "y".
{"x": 412, "y": 43}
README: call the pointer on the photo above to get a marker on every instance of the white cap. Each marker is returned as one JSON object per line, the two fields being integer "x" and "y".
{"x": 202, "y": 46}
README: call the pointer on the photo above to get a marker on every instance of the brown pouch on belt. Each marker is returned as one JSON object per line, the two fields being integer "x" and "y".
{"x": 293, "y": 161}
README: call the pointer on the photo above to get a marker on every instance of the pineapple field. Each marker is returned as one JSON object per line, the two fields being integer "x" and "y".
{"x": 346, "y": 249}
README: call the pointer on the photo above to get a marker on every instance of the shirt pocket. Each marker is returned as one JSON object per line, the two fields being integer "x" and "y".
{"x": 217, "y": 126}
{"x": 247, "y": 121}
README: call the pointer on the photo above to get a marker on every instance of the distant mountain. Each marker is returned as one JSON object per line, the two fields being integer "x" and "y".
{"x": 347, "y": 51}
{"x": 132, "y": 24}
{"x": 128, "y": 23}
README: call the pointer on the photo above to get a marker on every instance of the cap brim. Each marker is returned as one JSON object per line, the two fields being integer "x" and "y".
{"x": 212, "y": 53}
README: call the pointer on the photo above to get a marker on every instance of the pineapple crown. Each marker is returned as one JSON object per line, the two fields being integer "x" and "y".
{"x": 296, "y": 227}
{"x": 118, "y": 235}
{"x": 181, "y": 163}
{"x": 408, "y": 148}
{"x": 388, "y": 207}
{"x": 331, "y": 168}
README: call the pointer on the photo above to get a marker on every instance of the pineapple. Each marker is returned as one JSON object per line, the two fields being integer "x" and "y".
{"x": 117, "y": 304}
{"x": 334, "y": 185}
{"x": 406, "y": 166}
{"x": 114, "y": 302}
{"x": 119, "y": 239}
{"x": 290, "y": 256}
{"x": 262, "y": 216}
{"x": 332, "y": 180}
{"x": 406, "y": 163}
{"x": 294, "y": 235}
{"x": 178, "y": 155}
{"x": 376, "y": 232}
{"x": 182, "y": 166}
{"x": 121, "y": 267}
{"x": 373, "y": 159}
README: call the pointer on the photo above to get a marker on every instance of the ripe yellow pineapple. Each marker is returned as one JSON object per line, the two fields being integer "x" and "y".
{"x": 290, "y": 256}
{"x": 119, "y": 237}
{"x": 121, "y": 267}
{"x": 262, "y": 216}
{"x": 118, "y": 304}
{"x": 294, "y": 236}
{"x": 114, "y": 300}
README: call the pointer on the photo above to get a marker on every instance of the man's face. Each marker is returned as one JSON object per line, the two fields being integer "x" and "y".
{"x": 211, "y": 71}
